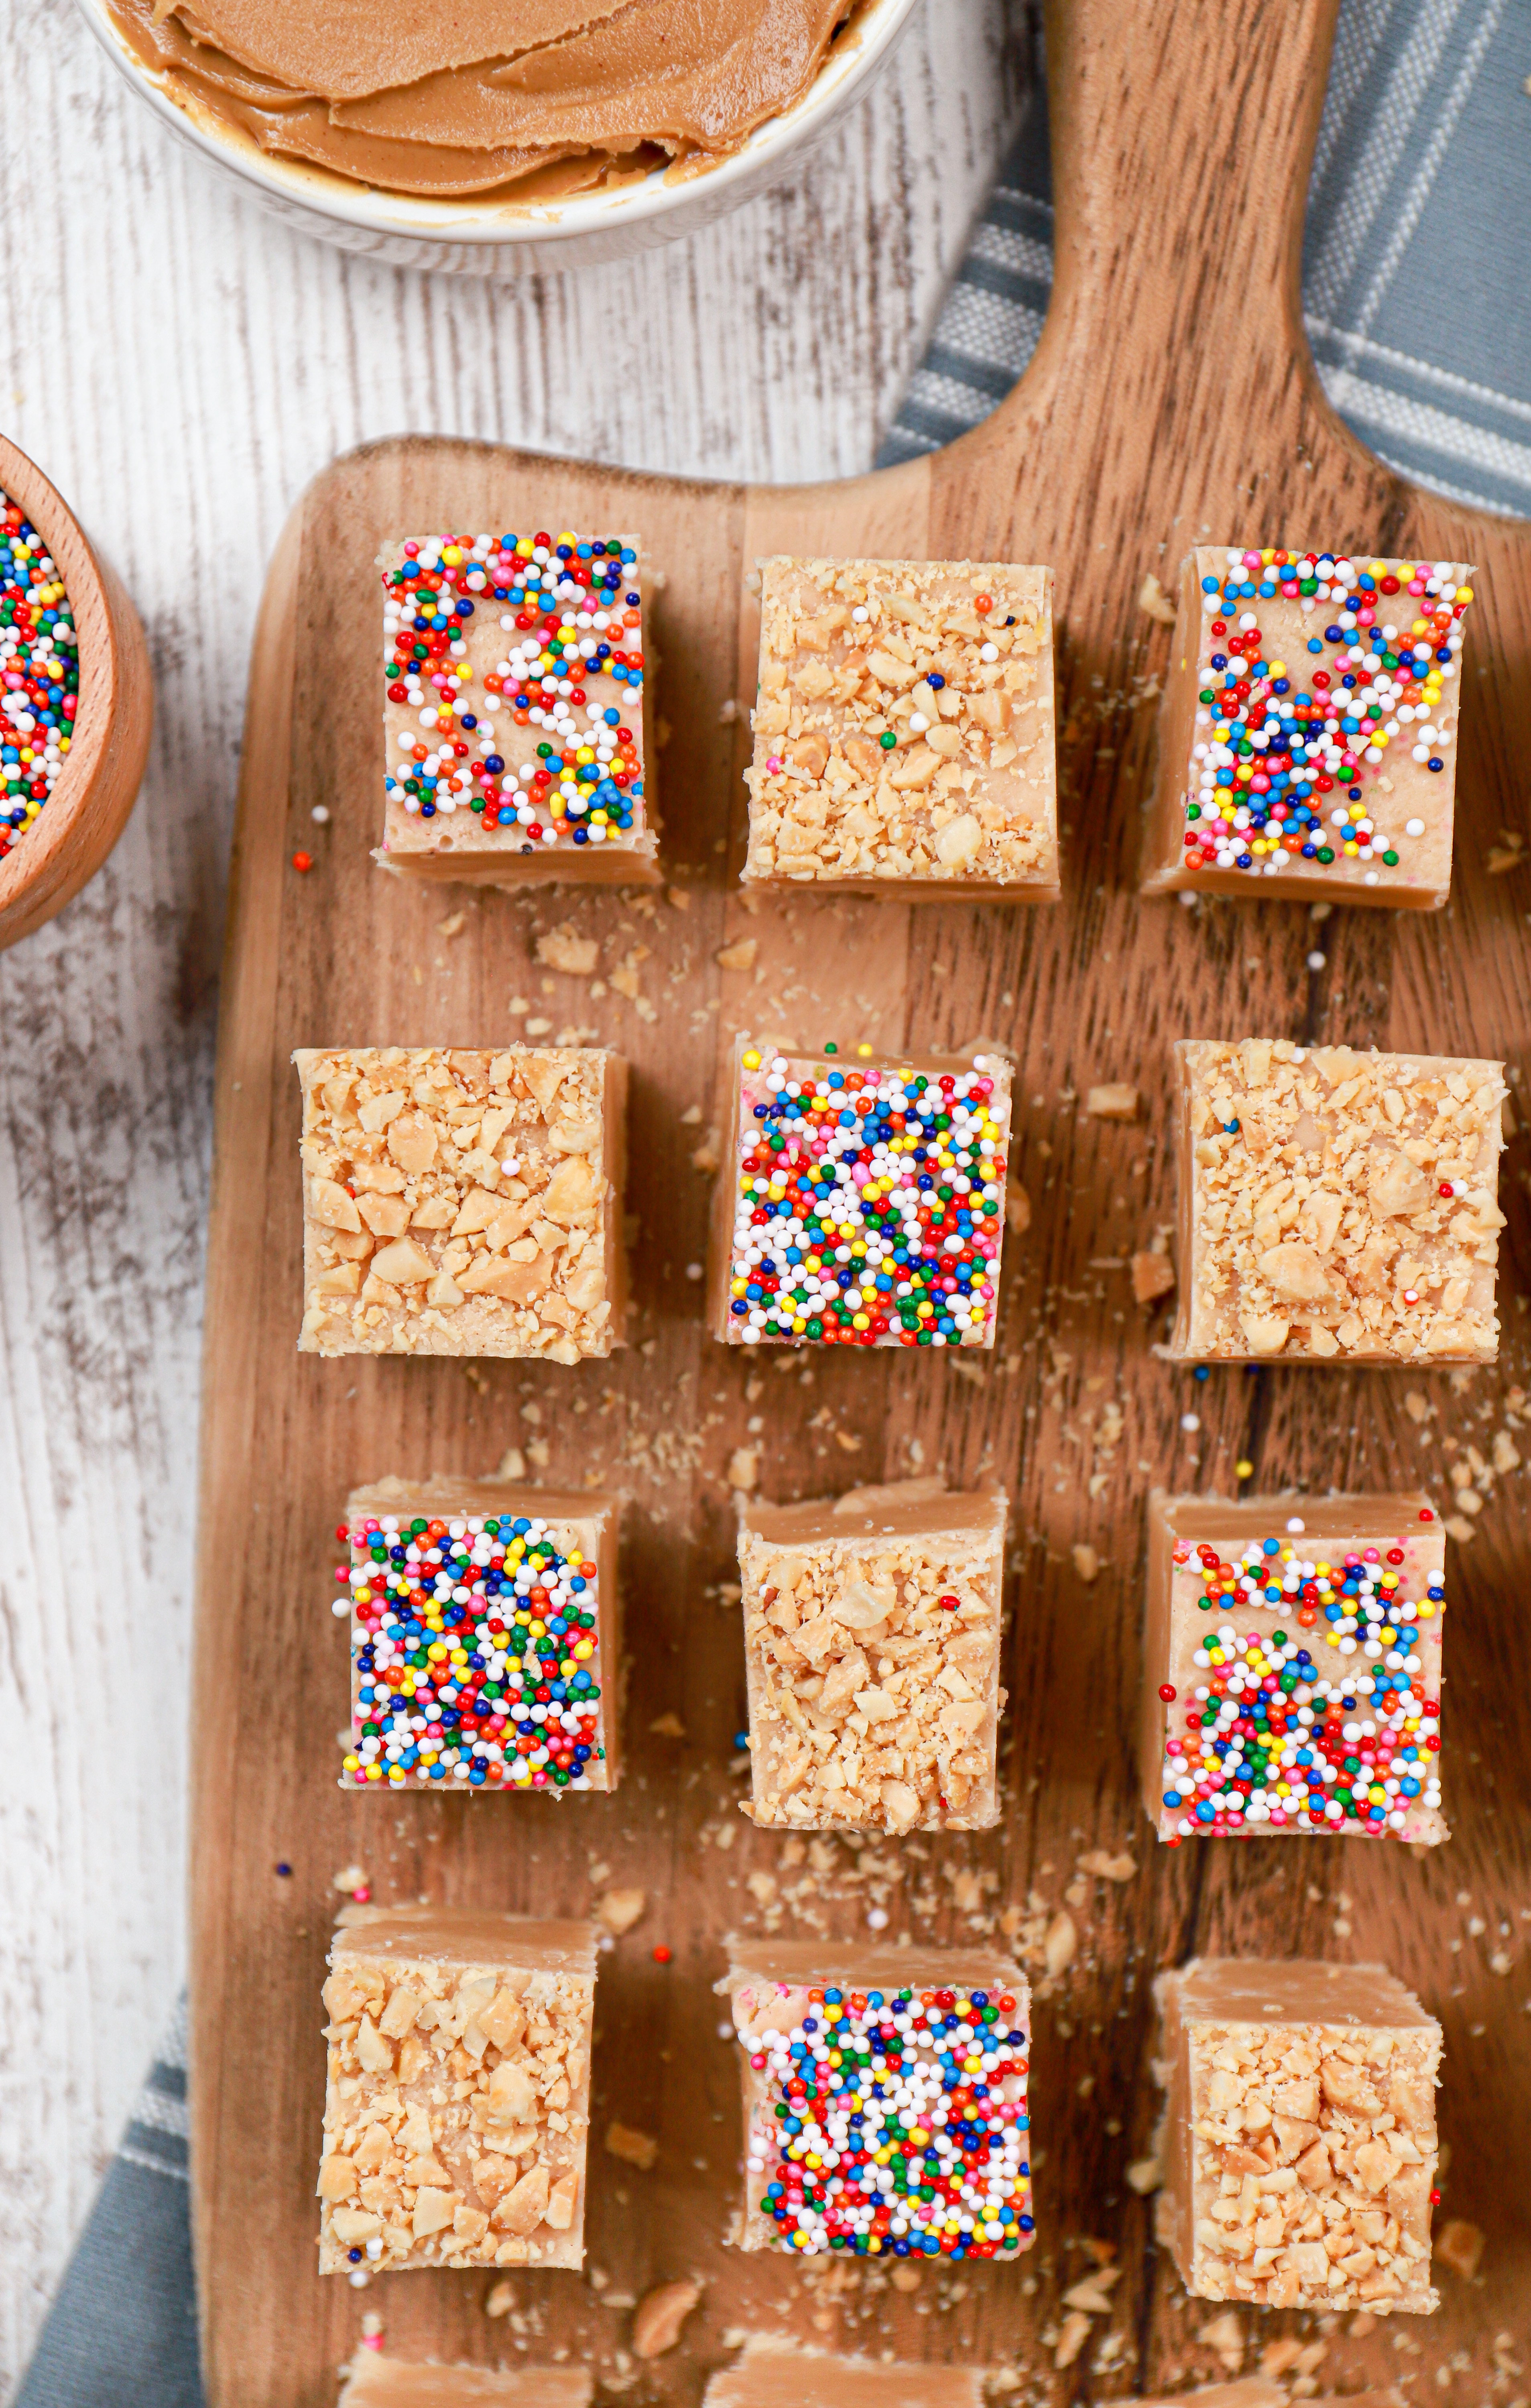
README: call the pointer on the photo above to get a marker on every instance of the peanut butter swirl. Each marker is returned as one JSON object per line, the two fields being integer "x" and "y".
{"x": 528, "y": 99}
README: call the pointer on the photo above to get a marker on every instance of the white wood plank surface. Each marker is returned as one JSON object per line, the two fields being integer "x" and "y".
{"x": 181, "y": 365}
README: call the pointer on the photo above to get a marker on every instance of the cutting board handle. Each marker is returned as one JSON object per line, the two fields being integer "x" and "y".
{"x": 1183, "y": 136}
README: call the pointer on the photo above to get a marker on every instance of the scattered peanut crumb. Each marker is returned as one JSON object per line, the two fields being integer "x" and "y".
{"x": 1086, "y": 1561}
{"x": 1460, "y": 2247}
{"x": 1120, "y": 1868}
{"x": 620, "y": 1909}
{"x": 635, "y": 2148}
{"x": 564, "y": 949}
{"x": 1072, "y": 2335}
{"x": 1060, "y": 1944}
{"x": 739, "y": 955}
{"x": 660, "y": 2315}
{"x": 1152, "y": 1276}
{"x": 1113, "y": 1102}
{"x": 1154, "y": 603}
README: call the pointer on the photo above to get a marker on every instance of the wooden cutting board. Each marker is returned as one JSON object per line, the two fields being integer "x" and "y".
{"x": 1172, "y": 398}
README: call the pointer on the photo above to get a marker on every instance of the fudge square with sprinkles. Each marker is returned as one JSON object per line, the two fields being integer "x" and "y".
{"x": 905, "y": 737}
{"x": 459, "y": 1201}
{"x": 1336, "y": 1206}
{"x": 1292, "y": 1669}
{"x": 861, "y": 1198}
{"x": 485, "y": 1639}
{"x": 1308, "y": 734}
{"x": 516, "y": 726}
{"x": 1298, "y": 2140}
{"x": 885, "y": 2101}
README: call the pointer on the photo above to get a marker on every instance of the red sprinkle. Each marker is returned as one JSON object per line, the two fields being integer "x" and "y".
{"x": 662, "y": 1955}
{"x": 303, "y": 861}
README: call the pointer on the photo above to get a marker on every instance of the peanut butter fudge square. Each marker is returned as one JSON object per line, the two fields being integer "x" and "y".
{"x": 905, "y": 738}
{"x": 1292, "y": 1668}
{"x": 1336, "y": 1205}
{"x": 485, "y": 1639}
{"x": 860, "y": 1200}
{"x": 373, "y": 2381}
{"x": 458, "y": 1202}
{"x": 886, "y": 2100}
{"x": 1307, "y": 732}
{"x": 773, "y": 2372}
{"x": 516, "y": 724}
{"x": 1299, "y": 2144}
{"x": 871, "y": 1645}
{"x": 457, "y": 2105}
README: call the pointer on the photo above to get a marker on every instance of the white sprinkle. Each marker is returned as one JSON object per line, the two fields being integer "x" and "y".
{"x": 1190, "y": 1422}
{"x": 321, "y": 815}
{"x": 860, "y": 615}
{"x": 1413, "y": 827}
{"x": 1317, "y": 961}
{"x": 1296, "y": 1524}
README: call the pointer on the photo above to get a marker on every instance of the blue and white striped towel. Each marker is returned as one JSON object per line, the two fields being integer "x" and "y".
{"x": 1416, "y": 265}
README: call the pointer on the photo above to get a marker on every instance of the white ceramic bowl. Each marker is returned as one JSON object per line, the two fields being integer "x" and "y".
{"x": 473, "y": 237}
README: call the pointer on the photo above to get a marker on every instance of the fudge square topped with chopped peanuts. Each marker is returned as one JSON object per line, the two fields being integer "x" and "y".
{"x": 871, "y": 1642}
{"x": 1336, "y": 1205}
{"x": 903, "y": 729}
{"x": 1292, "y": 1668}
{"x": 1298, "y": 2144}
{"x": 515, "y": 727}
{"x": 861, "y": 1199}
{"x": 1307, "y": 732}
{"x": 885, "y": 2102}
{"x": 456, "y": 2110}
{"x": 459, "y": 1202}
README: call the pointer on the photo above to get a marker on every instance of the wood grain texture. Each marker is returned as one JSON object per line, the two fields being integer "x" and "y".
{"x": 181, "y": 366}
{"x": 99, "y": 784}
{"x": 1172, "y": 398}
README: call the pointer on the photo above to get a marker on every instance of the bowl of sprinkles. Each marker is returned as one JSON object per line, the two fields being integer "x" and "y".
{"x": 76, "y": 701}
{"x": 475, "y": 1656}
{"x": 890, "y": 2123}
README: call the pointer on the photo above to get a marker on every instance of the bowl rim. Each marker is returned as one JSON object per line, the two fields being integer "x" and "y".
{"x": 85, "y": 584}
{"x": 368, "y": 209}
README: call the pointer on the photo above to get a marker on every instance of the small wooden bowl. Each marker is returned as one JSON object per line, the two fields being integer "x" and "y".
{"x": 87, "y": 808}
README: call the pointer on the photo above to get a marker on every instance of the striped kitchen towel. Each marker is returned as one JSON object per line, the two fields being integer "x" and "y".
{"x": 1416, "y": 264}
{"x": 122, "y": 2331}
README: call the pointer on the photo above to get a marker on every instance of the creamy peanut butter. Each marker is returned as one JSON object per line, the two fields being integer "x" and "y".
{"x": 531, "y": 99}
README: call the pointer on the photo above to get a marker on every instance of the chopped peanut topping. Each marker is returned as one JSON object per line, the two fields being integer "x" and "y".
{"x": 461, "y": 1203}
{"x": 1337, "y": 1204}
{"x": 903, "y": 729}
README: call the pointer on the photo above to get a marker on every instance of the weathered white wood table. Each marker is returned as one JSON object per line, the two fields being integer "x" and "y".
{"x": 181, "y": 366}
